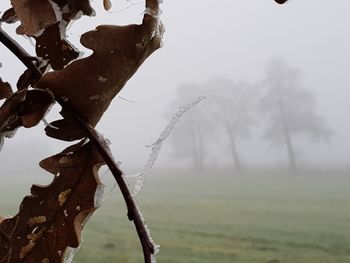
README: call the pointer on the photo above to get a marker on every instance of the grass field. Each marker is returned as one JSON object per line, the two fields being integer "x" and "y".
{"x": 224, "y": 218}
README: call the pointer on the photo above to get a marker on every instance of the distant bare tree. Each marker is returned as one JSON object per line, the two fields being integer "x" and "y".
{"x": 227, "y": 110}
{"x": 232, "y": 107}
{"x": 290, "y": 108}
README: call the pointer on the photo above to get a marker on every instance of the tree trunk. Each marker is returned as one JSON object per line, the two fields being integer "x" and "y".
{"x": 231, "y": 137}
{"x": 289, "y": 145}
{"x": 287, "y": 136}
{"x": 235, "y": 156}
{"x": 197, "y": 146}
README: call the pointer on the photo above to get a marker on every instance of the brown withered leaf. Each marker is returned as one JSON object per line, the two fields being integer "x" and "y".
{"x": 51, "y": 47}
{"x": 66, "y": 129}
{"x": 9, "y": 16}
{"x": 5, "y": 90}
{"x": 90, "y": 84}
{"x": 81, "y": 5}
{"x": 24, "y": 108}
{"x": 34, "y": 107}
{"x": 52, "y": 217}
{"x": 10, "y": 108}
{"x": 35, "y": 15}
{"x": 26, "y": 80}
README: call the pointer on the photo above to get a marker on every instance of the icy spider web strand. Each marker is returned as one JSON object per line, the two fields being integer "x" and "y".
{"x": 3, "y": 135}
{"x": 98, "y": 202}
{"x": 157, "y": 145}
{"x": 155, "y": 246}
{"x": 72, "y": 251}
{"x": 70, "y": 254}
{"x": 155, "y": 150}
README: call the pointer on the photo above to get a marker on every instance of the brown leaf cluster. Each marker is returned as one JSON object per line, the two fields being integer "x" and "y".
{"x": 46, "y": 21}
{"x": 90, "y": 84}
{"x": 37, "y": 15}
{"x": 52, "y": 217}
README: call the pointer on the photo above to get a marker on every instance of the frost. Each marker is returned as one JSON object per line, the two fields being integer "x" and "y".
{"x": 49, "y": 108}
{"x": 39, "y": 33}
{"x": 63, "y": 28}
{"x": 159, "y": 28}
{"x": 94, "y": 97}
{"x": 102, "y": 79}
{"x": 108, "y": 191}
{"x": 78, "y": 15}
{"x": 106, "y": 142}
{"x": 56, "y": 10}
{"x": 8, "y": 134}
{"x": 155, "y": 246}
{"x": 65, "y": 9}
{"x": 1, "y": 142}
{"x": 151, "y": 12}
{"x": 156, "y": 251}
{"x": 153, "y": 259}
{"x": 156, "y": 146}
{"x": 99, "y": 196}
{"x": 70, "y": 253}
{"x": 47, "y": 124}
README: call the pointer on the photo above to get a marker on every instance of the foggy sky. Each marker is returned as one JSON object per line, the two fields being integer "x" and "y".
{"x": 205, "y": 39}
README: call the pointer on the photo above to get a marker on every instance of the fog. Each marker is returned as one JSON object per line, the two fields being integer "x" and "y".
{"x": 206, "y": 40}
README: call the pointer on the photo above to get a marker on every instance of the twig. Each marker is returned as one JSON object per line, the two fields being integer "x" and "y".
{"x": 133, "y": 211}
{"x": 20, "y": 53}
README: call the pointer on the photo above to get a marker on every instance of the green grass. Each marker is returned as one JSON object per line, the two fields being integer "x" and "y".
{"x": 225, "y": 218}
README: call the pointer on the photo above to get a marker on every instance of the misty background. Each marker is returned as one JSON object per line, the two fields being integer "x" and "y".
{"x": 204, "y": 41}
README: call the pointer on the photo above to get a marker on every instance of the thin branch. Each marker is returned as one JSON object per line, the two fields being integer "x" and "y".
{"x": 133, "y": 211}
{"x": 20, "y": 53}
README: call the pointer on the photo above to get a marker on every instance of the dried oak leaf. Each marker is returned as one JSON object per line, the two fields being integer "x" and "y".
{"x": 80, "y": 5}
{"x": 35, "y": 15}
{"x": 34, "y": 107}
{"x": 10, "y": 108}
{"x": 9, "y": 16}
{"x": 26, "y": 80}
{"x": 90, "y": 84}
{"x": 5, "y": 90}
{"x": 52, "y": 217}
{"x": 24, "y": 108}
{"x": 51, "y": 47}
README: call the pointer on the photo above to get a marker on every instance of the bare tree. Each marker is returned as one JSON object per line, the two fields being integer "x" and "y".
{"x": 232, "y": 109}
{"x": 227, "y": 115}
{"x": 290, "y": 108}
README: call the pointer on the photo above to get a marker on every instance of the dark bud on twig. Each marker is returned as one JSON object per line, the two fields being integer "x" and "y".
{"x": 281, "y": 1}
